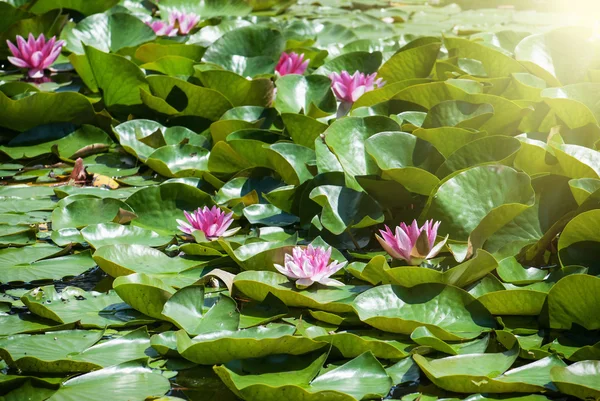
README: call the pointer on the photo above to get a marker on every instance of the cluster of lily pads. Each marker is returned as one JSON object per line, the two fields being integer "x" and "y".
{"x": 311, "y": 200}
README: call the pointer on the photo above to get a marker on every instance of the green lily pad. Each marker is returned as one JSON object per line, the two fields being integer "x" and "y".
{"x": 260, "y": 255}
{"x": 401, "y": 310}
{"x": 209, "y": 8}
{"x": 486, "y": 150}
{"x": 144, "y": 293}
{"x": 173, "y": 66}
{"x": 576, "y": 243}
{"x": 460, "y": 276}
{"x": 247, "y": 51}
{"x": 77, "y": 214}
{"x": 153, "y": 51}
{"x": 99, "y": 235}
{"x": 495, "y": 63}
{"x": 575, "y": 104}
{"x": 119, "y": 91}
{"x": 179, "y": 161}
{"x": 571, "y": 300}
{"x": 45, "y": 108}
{"x": 191, "y": 311}
{"x": 364, "y": 62}
{"x": 488, "y": 373}
{"x": 393, "y": 152}
{"x": 28, "y": 323}
{"x": 21, "y": 256}
{"x": 72, "y": 351}
{"x": 90, "y": 309}
{"x": 158, "y": 207}
{"x": 237, "y": 89}
{"x": 121, "y": 383}
{"x": 310, "y": 95}
{"x": 258, "y": 284}
{"x": 347, "y": 138}
{"x": 415, "y": 62}
{"x": 490, "y": 207}
{"x": 424, "y": 337}
{"x": 265, "y": 379}
{"x": 353, "y": 343}
{"x": 107, "y": 32}
{"x": 84, "y": 7}
{"x": 177, "y": 98}
{"x": 514, "y": 301}
{"x": 47, "y": 269}
{"x": 360, "y": 209}
{"x": 224, "y": 346}
{"x": 260, "y": 313}
{"x": 579, "y": 380}
{"x": 456, "y": 113}
{"x": 66, "y": 137}
{"x": 547, "y": 54}
{"x": 122, "y": 259}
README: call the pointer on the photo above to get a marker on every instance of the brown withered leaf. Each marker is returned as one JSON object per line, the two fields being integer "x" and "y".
{"x": 90, "y": 150}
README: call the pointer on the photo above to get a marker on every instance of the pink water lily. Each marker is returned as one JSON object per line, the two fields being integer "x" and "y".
{"x": 412, "y": 243}
{"x": 212, "y": 222}
{"x": 291, "y": 63}
{"x": 179, "y": 23}
{"x": 162, "y": 28}
{"x": 348, "y": 88}
{"x": 182, "y": 22}
{"x": 310, "y": 265}
{"x": 35, "y": 54}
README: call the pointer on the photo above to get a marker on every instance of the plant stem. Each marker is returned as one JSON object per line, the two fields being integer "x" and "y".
{"x": 352, "y": 238}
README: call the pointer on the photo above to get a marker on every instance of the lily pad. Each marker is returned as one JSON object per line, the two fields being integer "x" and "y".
{"x": 90, "y": 309}
{"x": 99, "y": 235}
{"x": 258, "y": 284}
{"x": 579, "y": 380}
{"x": 158, "y": 207}
{"x": 224, "y": 346}
{"x": 120, "y": 383}
{"x": 401, "y": 310}
{"x": 107, "y": 32}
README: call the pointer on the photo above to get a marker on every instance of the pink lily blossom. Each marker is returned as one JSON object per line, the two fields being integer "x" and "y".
{"x": 310, "y": 265}
{"x": 212, "y": 222}
{"x": 291, "y": 63}
{"x": 348, "y": 88}
{"x": 412, "y": 243}
{"x": 162, "y": 28}
{"x": 183, "y": 23}
{"x": 35, "y": 54}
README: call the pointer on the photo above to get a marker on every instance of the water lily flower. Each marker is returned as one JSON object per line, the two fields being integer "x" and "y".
{"x": 291, "y": 63}
{"x": 348, "y": 88}
{"x": 35, "y": 54}
{"x": 183, "y": 23}
{"x": 212, "y": 222}
{"x": 162, "y": 28}
{"x": 412, "y": 243}
{"x": 310, "y": 265}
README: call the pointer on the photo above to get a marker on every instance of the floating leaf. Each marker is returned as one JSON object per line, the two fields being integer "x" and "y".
{"x": 158, "y": 207}
{"x": 400, "y": 310}
{"x": 247, "y": 51}
{"x": 257, "y": 285}
{"x": 107, "y": 32}
{"x": 99, "y": 235}
{"x": 224, "y": 346}
{"x": 120, "y": 383}
{"x": 90, "y": 309}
